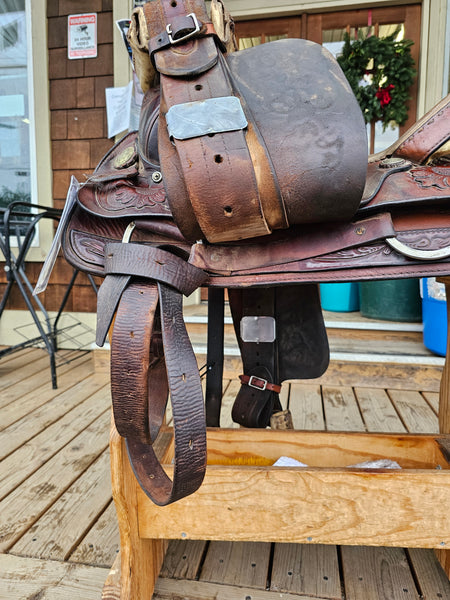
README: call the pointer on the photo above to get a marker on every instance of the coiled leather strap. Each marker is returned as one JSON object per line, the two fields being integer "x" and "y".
{"x": 151, "y": 358}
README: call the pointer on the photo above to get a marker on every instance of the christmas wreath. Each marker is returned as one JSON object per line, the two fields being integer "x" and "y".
{"x": 380, "y": 72}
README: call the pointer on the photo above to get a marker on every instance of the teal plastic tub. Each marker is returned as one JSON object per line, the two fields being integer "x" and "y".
{"x": 339, "y": 297}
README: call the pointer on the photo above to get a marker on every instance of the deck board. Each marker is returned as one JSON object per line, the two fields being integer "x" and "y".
{"x": 30, "y": 578}
{"x": 58, "y": 531}
{"x": 37, "y": 451}
{"x": 306, "y": 569}
{"x": 20, "y": 509}
{"x": 100, "y": 545}
{"x": 52, "y": 412}
{"x": 243, "y": 564}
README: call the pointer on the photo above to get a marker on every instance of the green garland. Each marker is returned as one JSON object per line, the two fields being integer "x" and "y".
{"x": 385, "y": 94}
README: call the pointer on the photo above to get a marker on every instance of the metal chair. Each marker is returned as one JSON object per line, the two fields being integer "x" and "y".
{"x": 20, "y": 222}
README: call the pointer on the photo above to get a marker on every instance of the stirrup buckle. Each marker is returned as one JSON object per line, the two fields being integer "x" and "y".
{"x": 257, "y": 386}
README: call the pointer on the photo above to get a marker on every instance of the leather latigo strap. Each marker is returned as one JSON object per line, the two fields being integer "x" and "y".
{"x": 134, "y": 376}
{"x": 151, "y": 356}
{"x": 219, "y": 165}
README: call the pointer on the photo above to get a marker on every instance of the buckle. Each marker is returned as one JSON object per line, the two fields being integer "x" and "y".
{"x": 257, "y": 387}
{"x": 196, "y": 28}
{"x": 128, "y": 232}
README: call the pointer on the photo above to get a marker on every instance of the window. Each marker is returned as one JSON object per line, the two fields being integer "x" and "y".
{"x": 24, "y": 109}
{"x": 15, "y": 180}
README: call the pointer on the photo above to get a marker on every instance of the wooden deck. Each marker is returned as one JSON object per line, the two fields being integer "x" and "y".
{"x": 58, "y": 533}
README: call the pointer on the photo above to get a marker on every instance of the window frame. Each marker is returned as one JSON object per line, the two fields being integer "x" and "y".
{"x": 39, "y": 103}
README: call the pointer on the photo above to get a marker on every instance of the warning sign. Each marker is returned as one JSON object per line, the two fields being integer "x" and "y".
{"x": 82, "y": 34}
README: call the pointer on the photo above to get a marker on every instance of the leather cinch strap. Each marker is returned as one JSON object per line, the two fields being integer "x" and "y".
{"x": 151, "y": 357}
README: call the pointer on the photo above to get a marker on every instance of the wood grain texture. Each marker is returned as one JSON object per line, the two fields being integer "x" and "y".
{"x": 27, "y": 578}
{"x": 305, "y": 404}
{"x": 377, "y": 573}
{"x": 377, "y": 411}
{"x": 414, "y": 411}
{"x": 306, "y": 569}
{"x": 140, "y": 559}
{"x": 238, "y": 563}
{"x": 433, "y": 582}
{"x": 394, "y": 376}
{"x": 26, "y": 396}
{"x": 183, "y": 559}
{"x": 171, "y": 589}
{"x": 53, "y": 411}
{"x": 74, "y": 511}
{"x": 38, "y": 450}
{"x": 319, "y": 506}
{"x": 101, "y": 544}
{"x": 23, "y": 506}
{"x": 341, "y": 410}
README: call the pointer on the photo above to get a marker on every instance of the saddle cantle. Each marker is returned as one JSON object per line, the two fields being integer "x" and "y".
{"x": 249, "y": 172}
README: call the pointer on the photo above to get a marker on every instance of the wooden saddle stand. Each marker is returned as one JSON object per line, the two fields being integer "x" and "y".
{"x": 250, "y": 172}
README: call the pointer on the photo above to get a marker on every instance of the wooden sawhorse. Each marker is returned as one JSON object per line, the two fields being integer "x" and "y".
{"x": 322, "y": 504}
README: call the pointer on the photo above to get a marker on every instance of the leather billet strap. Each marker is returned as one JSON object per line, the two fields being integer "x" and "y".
{"x": 254, "y": 403}
{"x": 214, "y": 190}
{"x": 277, "y": 348}
{"x": 152, "y": 357}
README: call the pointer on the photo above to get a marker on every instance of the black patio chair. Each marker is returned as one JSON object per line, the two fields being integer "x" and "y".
{"x": 20, "y": 225}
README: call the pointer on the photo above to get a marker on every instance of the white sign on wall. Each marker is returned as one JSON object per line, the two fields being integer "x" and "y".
{"x": 82, "y": 36}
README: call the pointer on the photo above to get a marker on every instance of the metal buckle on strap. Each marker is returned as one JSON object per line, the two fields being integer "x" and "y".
{"x": 196, "y": 28}
{"x": 254, "y": 385}
{"x": 128, "y": 232}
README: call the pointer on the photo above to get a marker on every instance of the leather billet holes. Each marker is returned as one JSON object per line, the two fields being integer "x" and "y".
{"x": 218, "y": 158}
{"x": 228, "y": 211}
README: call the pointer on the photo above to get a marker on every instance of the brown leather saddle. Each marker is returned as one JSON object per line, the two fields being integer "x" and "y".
{"x": 249, "y": 172}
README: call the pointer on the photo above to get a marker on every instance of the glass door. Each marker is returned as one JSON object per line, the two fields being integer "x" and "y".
{"x": 15, "y": 119}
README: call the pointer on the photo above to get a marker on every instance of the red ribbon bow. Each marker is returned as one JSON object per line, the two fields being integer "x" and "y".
{"x": 383, "y": 95}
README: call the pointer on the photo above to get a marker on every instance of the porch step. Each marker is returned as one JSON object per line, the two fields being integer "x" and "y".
{"x": 351, "y": 337}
